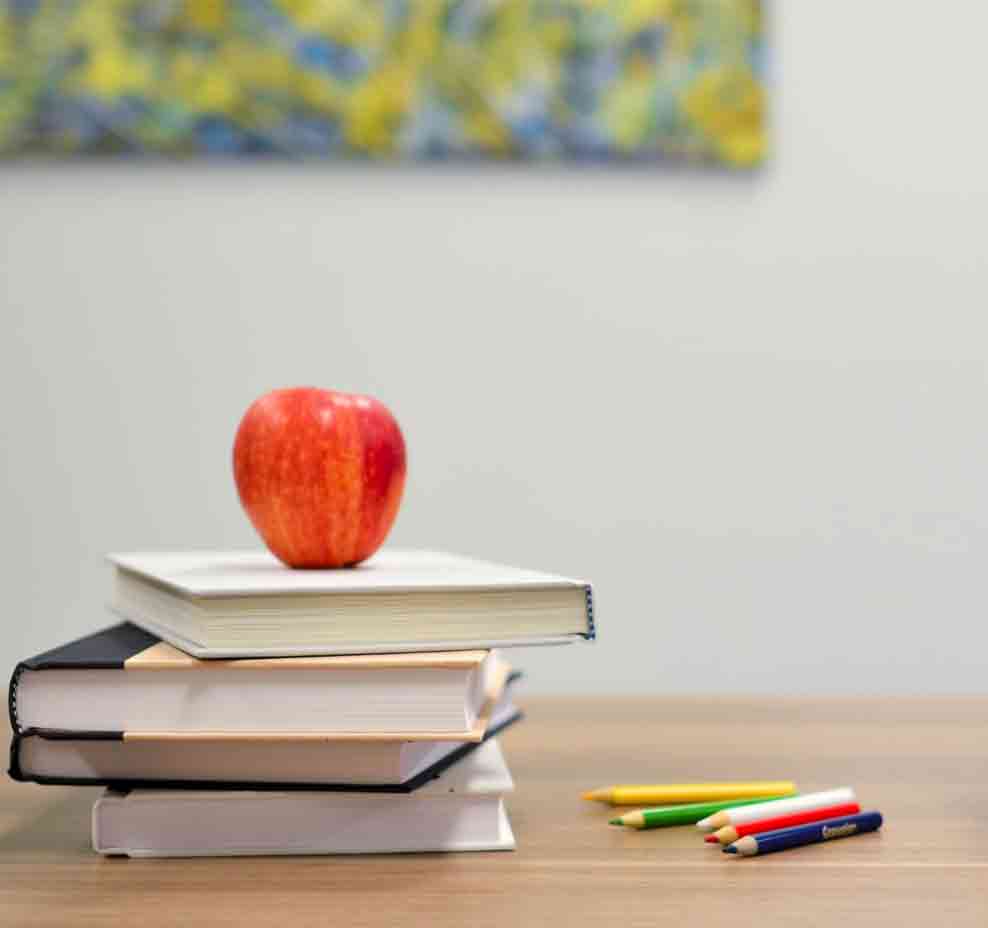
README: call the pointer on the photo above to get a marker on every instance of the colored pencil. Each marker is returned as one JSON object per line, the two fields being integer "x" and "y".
{"x": 751, "y": 813}
{"x": 688, "y": 814}
{"x": 771, "y": 841}
{"x": 669, "y": 793}
{"x": 730, "y": 833}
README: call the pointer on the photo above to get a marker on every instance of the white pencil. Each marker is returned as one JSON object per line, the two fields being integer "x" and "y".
{"x": 752, "y": 813}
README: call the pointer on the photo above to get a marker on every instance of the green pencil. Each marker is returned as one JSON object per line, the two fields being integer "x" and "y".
{"x": 689, "y": 814}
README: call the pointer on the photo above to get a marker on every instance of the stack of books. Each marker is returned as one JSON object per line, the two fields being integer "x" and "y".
{"x": 245, "y": 708}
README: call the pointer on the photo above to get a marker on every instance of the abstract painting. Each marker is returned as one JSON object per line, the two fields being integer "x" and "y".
{"x": 525, "y": 80}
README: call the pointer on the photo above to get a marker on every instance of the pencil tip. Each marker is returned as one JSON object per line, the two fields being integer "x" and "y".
{"x": 603, "y": 794}
{"x": 615, "y": 821}
{"x": 710, "y": 839}
{"x": 730, "y": 849}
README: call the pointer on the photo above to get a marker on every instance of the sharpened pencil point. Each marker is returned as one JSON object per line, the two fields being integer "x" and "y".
{"x": 601, "y": 795}
{"x": 711, "y": 839}
{"x": 615, "y": 821}
{"x": 730, "y": 849}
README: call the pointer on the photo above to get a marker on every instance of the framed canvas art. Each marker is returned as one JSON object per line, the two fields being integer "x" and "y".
{"x": 516, "y": 80}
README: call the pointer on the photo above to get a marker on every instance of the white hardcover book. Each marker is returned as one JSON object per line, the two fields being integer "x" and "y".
{"x": 462, "y": 810}
{"x": 248, "y": 604}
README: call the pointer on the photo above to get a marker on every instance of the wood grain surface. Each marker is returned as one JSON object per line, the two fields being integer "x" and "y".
{"x": 922, "y": 762}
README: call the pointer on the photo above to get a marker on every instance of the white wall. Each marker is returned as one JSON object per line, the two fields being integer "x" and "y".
{"x": 753, "y": 411}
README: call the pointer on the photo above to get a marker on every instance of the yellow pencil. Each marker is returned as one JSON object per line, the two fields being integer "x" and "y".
{"x": 688, "y": 792}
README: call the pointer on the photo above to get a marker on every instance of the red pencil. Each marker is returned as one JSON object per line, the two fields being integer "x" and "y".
{"x": 730, "y": 833}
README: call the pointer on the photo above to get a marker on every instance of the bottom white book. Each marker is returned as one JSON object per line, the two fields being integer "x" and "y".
{"x": 461, "y": 810}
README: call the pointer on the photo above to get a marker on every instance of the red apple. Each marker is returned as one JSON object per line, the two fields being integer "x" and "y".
{"x": 320, "y": 474}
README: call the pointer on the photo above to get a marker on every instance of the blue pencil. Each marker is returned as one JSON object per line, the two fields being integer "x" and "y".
{"x": 770, "y": 841}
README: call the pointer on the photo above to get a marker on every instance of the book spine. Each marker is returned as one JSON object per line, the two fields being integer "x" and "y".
{"x": 15, "y": 679}
{"x": 14, "y": 769}
{"x": 591, "y": 627}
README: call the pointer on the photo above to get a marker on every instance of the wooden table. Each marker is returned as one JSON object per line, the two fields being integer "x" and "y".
{"x": 923, "y": 762}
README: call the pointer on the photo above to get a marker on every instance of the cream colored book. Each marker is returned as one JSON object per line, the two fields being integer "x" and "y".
{"x": 248, "y": 604}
